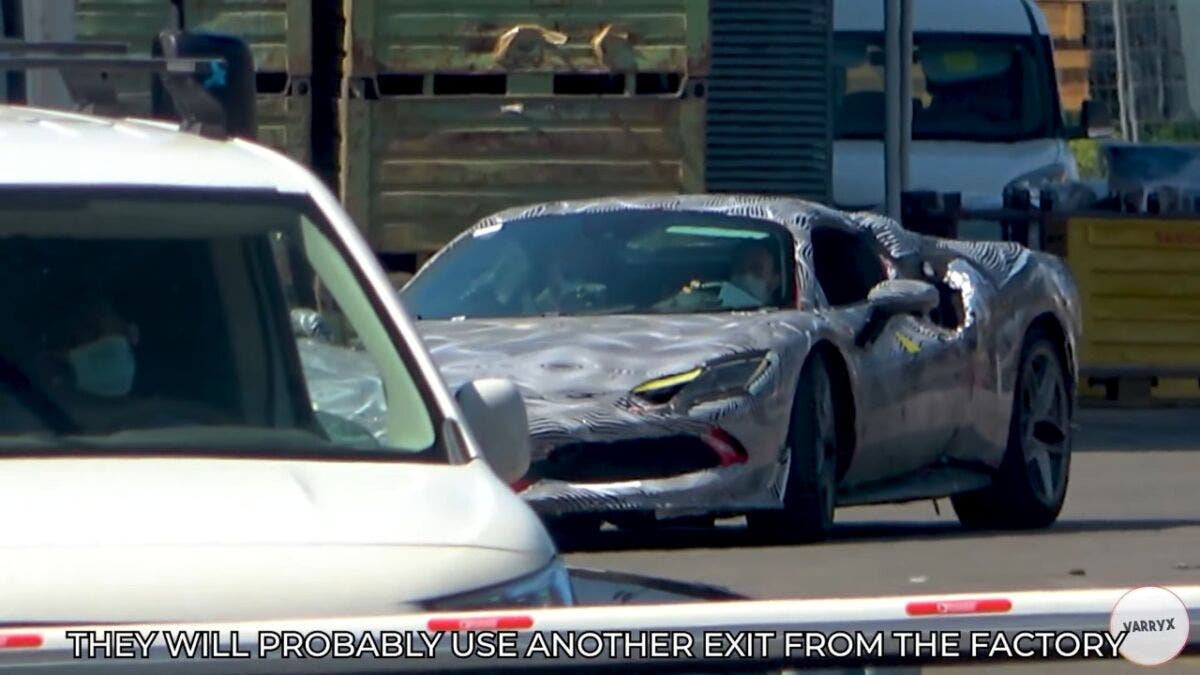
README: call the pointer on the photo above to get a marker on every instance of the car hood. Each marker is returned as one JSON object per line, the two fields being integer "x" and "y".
{"x": 155, "y": 539}
{"x": 573, "y": 358}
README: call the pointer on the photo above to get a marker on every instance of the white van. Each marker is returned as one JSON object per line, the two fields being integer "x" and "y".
{"x": 986, "y": 110}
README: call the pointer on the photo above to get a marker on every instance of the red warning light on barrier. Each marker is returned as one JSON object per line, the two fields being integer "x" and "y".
{"x": 20, "y": 641}
{"x": 481, "y": 623}
{"x": 968, "y": 606}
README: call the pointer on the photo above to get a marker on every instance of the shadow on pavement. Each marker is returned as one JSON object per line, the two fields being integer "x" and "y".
{"x": 728, "y": 536}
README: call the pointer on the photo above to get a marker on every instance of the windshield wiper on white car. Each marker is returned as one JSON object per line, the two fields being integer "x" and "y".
{"x": 203, "y": 438}
{"x": 200, "y": 441}
{"x": 40, "y": 442}
{"x": 35, "y": 400}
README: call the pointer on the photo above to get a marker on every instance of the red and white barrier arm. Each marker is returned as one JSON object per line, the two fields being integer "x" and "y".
{"x": 688, "y": 636}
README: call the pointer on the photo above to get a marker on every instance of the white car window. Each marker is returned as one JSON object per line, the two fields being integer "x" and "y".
{"x": 167, "y": 323}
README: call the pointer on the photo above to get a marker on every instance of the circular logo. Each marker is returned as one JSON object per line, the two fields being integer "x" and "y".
{"x": 1154, "y": 622}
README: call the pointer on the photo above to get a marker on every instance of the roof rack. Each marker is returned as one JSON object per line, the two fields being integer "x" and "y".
{"x": 86, "y": 70}
{"x": 20, "y": 47}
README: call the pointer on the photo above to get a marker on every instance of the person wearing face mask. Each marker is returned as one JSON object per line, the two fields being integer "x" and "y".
{"x": 90, "y": 353}
{"x": 89, "y": 368}
{"x": 754, "y": 280}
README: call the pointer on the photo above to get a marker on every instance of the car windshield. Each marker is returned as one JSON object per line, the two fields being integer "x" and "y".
{"x": 194, "y": 323}
{"x": 621, "y": 262}
{"x": 963, "y": 89}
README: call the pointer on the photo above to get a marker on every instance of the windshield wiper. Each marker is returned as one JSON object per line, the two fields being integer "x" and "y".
{"x": 35, "y": 400}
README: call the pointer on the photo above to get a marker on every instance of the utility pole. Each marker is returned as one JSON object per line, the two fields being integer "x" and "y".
{"x": 1126, "y": 91}
{"x": 898, "y": 98}
{"x": 906, "y": 93}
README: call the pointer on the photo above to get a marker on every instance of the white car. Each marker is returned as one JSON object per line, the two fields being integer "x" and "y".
{"x": 160, "y": 455}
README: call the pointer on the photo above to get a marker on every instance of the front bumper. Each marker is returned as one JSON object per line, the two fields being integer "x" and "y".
{"x": 741, "y": 487}
{"x": 606, "y": 457}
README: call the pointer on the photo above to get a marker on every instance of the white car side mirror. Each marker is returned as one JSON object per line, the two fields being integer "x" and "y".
{"x": 495, "y": 412}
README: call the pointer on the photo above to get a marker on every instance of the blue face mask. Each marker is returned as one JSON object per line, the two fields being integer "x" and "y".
{"x": 105, "y": 367}
{"x": 752, "y": 284}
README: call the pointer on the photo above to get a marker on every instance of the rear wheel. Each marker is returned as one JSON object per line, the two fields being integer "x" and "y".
{"x": 1029, "y": 490}
{"x": 810, "y": 494}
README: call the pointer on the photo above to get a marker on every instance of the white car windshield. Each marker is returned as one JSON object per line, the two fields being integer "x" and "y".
{"x": 195, "y": 321}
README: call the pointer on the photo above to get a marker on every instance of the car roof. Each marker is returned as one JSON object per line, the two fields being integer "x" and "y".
{"x": 797, "y": 215}
{"x": 790, "y": 212}
{"x": 996, "y": 17}
{"x": 52, "y": 147}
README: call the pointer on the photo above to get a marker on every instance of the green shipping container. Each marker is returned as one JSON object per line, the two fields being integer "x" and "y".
{"x": 455, "y": 110}
{"x": 419, "y": 170}
{"x": 452, "y": 109}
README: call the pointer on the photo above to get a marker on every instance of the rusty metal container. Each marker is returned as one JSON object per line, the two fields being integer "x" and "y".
{"x": 450, "y": 115}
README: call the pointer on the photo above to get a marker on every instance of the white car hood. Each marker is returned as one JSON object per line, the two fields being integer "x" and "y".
{"x": 980, "y": 171}
{"x": 125, "y": 539}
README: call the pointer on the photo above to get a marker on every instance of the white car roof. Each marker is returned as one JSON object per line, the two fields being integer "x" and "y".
{"x": 996, "y": 17}
{"x": 51, "y": 147}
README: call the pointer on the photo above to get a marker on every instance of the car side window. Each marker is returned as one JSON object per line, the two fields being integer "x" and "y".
{"x": 847, "y": 267}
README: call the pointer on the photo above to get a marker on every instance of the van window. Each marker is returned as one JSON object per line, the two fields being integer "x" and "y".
{"x": 973, "y": 89}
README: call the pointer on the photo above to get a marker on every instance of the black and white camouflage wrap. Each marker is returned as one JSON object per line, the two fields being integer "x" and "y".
{"x": 919, "y": 395}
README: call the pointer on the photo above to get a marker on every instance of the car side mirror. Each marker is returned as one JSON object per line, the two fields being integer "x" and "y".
{"x": 496, "y": 414}
{"x": 904, "y": 296}
{"x": 1095, "y": 121}
{"x": 893, "y": 297}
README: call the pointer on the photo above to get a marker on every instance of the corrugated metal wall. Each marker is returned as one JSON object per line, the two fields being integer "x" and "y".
{"x": 769, "y": 118}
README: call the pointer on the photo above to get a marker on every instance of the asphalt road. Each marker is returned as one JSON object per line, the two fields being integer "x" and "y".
{"x": 1132, "y": 518}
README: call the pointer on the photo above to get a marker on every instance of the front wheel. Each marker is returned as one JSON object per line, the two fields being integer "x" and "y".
{"x": 811, "y": 489}
{"x": 1031, "y": 486}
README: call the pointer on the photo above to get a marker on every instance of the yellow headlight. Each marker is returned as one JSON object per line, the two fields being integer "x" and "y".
{"x": 668, "y": 381}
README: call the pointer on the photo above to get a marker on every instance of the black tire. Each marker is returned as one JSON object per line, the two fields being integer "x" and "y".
{"x": 572, "y": 532}
{"x": 692, "y": 522}
{"x": 1029, "y": 489}
{"x": 810, "y": 495}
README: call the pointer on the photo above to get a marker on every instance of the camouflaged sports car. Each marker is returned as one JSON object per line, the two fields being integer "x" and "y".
{"x": 711, "y": 356}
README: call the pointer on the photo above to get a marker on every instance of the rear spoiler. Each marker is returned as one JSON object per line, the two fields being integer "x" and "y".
{"x": 859, "y": 633}
{"x": 205, "y": 80}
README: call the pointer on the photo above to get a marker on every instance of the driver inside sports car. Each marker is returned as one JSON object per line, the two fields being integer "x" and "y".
{"x": 754, "y": 281}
